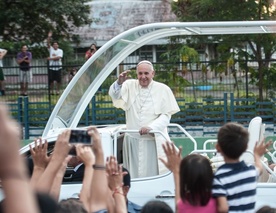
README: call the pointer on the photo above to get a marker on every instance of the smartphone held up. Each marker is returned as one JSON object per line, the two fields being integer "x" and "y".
{"x": 80, "y": 136}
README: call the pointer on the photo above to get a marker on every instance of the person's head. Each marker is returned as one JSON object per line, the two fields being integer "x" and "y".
{"x": 126, "y": 182}
{"x": 46, "y": 203}
{"x": 232, "y": 140}
{"x": 266, "y": 209}
{"x": 196, "y": 177}
{"x": 145, "y": 73}
{"x": 93, "y": 47}
{"x": 24, "y": 48}
{"x": 156, "y": 206}
{"x": 71, "y": 205}
{"x": 55, "y": 45}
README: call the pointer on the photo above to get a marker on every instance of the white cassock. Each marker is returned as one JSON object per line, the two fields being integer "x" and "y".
{"x": 144, "y": 107}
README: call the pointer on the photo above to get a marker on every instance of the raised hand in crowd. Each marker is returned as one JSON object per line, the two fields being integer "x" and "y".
{"x": 40, "y": 159}
{"x": 87, "y": 156}
{"x": 56, "y": 186}
{"x": 259, "y": 150}
{"x": 173, "y": 164}
{"x": 99, "y": 188}
{"x": 19, "y": 196}
{"x": 115, "y": 183}
{"x": 60, "y": 153}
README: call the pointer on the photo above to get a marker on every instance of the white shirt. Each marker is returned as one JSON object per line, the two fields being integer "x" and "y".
{"x": 55, "y": 53}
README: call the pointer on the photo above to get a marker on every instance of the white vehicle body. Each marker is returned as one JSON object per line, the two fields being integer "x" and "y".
{"x": 84, "y": 85}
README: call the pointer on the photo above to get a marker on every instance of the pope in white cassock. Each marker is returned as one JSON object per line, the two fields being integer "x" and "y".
{"x": 148, "y": 105}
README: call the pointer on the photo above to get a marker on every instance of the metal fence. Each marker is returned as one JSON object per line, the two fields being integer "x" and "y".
{"x": 193, "y": 85}
{"x": 200, "y": 118}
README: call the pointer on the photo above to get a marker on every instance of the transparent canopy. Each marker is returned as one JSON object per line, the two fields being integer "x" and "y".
{"x": 79, "y": 92}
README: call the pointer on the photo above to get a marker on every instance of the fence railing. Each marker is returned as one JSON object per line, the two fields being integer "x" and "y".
{"x": 193, "y": 85}
{"x": 199, "y": 118}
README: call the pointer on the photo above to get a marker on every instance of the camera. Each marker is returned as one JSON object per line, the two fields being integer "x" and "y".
{"x": 80, "y": 136}
{"x": 92, "y": 49}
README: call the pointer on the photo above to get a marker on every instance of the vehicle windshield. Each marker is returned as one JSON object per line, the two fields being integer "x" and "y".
{"x": 88, "y": 81}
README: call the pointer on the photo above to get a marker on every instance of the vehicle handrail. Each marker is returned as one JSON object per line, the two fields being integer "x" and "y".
{"x": 155, "y": 131}
{"x": 209, "y": 141}
{"x": 185, "y": 132}
{"x": 133, "y": 131}
{"x": 273, "y": 155}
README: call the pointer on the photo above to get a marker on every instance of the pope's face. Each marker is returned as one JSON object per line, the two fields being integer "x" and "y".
{"x": 145, "y": 74}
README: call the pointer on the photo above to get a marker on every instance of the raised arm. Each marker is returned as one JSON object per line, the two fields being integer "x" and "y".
{"x": 115, "y": 88}
{"x": 99, "y": 188}
{"x": 40, "y": 159}
{"x": 56, "y": 186}
{"x": 115, "y": 183}
{"x": 19, "y": 196}
{"x": 173, "y": 164}
{"x": 87, "y": 156}
{"x": 49, "y": 38}
{"x": 259, "y": 150}
{"x": 60, "y": 152}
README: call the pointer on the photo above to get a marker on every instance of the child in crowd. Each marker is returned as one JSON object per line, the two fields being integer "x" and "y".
{"x": 193, "y": 177}
{"x": 156, "y": 206}
{"x": 235, "y": 183}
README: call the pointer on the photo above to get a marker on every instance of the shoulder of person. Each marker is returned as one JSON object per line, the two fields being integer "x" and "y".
{"x": 162, "y": 86}
{"x": 157, "y": 83}
{"x": 133, "y": 207}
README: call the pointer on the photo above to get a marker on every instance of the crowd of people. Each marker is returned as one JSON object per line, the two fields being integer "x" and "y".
{"x": 105, "y": 184}
{"x": 24, "y": 60}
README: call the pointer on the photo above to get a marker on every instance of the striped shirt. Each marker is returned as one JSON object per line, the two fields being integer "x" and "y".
{"x": 237, "y": 182}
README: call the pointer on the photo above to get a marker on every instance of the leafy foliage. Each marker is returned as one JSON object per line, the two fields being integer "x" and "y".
{"x": 262, "y": 46}
{"x": 31, "y": 20}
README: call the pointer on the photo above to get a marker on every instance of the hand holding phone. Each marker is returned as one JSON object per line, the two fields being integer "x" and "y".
{"x": 80, "y": 136}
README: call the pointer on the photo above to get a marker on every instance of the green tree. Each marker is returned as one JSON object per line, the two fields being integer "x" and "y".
{"x": 190, "y": 56}
{"x": 262, "y": 46}
{"x": 31, "y": 20}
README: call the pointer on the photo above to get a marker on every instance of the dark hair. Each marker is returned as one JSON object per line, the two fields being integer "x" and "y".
{"x": 196, "y": 177}
{"x": 71, "y": 205}
{"x": 266, "y": 209}
{"x": 156, "y": 206}
{"x": 46, "y": 203}
{"x": 233, "y": 139}
{"x": 93, "y": 44}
